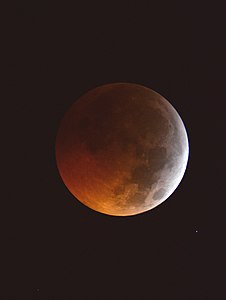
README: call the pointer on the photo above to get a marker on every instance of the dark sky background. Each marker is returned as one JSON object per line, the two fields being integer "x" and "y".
{"x": 53, "y": 246}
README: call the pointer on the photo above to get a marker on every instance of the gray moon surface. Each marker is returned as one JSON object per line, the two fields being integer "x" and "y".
{"x": 121, "y": 149}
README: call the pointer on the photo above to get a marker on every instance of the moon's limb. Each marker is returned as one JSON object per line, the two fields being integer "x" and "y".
{"x": 122, "y": 149}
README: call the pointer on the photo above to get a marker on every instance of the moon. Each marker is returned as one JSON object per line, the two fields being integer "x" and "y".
{"x": 121, "y": 149}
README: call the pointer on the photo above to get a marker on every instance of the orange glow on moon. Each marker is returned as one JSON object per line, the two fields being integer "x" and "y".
{"x": 121, "y": 149}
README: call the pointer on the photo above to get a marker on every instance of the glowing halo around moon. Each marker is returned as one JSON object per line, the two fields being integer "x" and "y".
{"x": 121, "y": 149}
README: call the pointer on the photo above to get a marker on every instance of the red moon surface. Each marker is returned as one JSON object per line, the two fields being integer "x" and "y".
{"x": 121, "y": 149}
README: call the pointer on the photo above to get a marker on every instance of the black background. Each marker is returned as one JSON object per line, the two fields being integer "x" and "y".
{"x": 53, "y": 246}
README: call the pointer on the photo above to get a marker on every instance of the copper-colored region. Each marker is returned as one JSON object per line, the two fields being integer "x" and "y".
{"x": 118, "y": 145}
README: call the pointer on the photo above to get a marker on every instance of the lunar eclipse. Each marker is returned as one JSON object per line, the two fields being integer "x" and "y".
{"x": 121, "y": 149}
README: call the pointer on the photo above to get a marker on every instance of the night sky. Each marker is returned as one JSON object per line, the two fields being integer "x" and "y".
{"x": 53, "y": 246}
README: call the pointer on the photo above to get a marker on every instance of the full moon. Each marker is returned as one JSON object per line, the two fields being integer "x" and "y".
{"x": 121, "y": 149}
